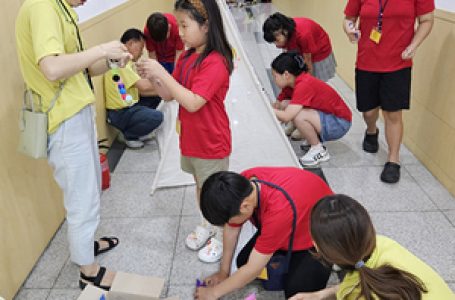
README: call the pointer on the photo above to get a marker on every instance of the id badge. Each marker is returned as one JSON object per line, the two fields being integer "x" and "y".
{"x": 177, "y": 126}
{"x": 375, "y": 35}
{"x": 263, "y": 275}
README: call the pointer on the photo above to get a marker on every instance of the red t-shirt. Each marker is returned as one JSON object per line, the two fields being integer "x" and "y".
{"x": 275, "y": 213}
{"x": 397, "y": 31}
{"x": 313, "y": 93}
{"x": 309, "y": 37}
{"x": 285, "y": 94}
{"x": 165, "y": 50}
{"x": 205, "y": 133}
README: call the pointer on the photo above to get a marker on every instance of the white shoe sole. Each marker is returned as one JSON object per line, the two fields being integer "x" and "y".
{"x": 314, "y": 163}
{"x": 207, "y": 258}
{"x": 202, "y": 245}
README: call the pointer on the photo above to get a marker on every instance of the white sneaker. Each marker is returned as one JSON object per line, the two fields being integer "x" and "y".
{"x": 212, "y": 252}
{"x": 305, "y": 145}
{"x": 147, "y": 137}
{"x": 314, "y": 156}
{"x": 296, "y": 135}
{"x": 289, "y": 128}
{"x": 199, "y": 237}
{"x": 134, "y": 144}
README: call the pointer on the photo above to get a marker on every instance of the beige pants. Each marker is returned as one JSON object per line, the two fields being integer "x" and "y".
{"x": 201, "y": 168}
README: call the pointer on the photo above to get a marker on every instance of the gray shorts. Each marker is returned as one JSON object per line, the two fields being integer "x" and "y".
{"x": 332, "y": 127}
{"x": 325, "y": 69}
{"x": 201, "y": 168}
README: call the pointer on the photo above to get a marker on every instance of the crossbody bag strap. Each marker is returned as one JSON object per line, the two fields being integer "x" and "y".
{"x": 294, "y": 220}
{"x": 57, "y": 94}
{"x": 28, "y": 95}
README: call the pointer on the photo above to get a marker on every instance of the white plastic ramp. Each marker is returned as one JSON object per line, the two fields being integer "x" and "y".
{"x": 257, "y": 137}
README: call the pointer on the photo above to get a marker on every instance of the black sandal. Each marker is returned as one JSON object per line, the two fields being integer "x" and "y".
{"x": 112, "y": 242}
{"x": 95, "y": 280}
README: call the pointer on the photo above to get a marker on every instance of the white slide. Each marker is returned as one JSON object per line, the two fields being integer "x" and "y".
{"x": 257, "y": 136}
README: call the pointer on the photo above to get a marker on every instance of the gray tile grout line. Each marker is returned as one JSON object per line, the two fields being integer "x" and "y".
{"x": 58, "y": 276}
{"x": 22, "y": 287}
{"x": 429, "y": 196}
{"x": 176, "y": 241}
{"x": 328, "y": 166}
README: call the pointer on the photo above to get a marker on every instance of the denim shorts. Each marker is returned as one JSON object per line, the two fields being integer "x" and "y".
{"x": 332, "y": 127}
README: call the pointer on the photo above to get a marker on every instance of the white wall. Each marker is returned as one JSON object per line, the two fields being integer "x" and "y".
{"x": 93, "y": 8}
{"x": 448, "y": 5}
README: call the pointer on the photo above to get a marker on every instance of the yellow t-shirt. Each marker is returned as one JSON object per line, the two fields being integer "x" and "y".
{"x": 111, "y": 90}
{"x": 390, "y": 252}
{"x": 43, "y": 29}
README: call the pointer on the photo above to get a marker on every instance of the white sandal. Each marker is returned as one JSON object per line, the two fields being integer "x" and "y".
{"x": 199, "y": 237}
{"x": 212, "y": 252}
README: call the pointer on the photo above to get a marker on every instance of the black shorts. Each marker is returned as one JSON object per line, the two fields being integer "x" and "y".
{"x": 389, "y": 91}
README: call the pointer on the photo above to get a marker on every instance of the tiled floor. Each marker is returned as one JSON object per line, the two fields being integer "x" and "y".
{"x": 418, "y": 212}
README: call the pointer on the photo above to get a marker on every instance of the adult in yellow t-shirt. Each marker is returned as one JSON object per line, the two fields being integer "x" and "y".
{"x": 375, "y": 265}
{"x": 51, "y": 55}
{"x": 121, "y": 90}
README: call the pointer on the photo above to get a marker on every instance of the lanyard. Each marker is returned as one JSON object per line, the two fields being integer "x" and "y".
{"x": 183, "y": 79}
{"x": 381, "y": 14}
{"x": 293, "y": 207}
{"x": 81, "y": 47}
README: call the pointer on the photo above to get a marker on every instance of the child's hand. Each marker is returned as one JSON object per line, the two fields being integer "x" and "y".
{"x": 116, "y": 51}
{"x": 216, "y": 278}
{"x": 149, "y": 68}
{"x": 204, "y": 293}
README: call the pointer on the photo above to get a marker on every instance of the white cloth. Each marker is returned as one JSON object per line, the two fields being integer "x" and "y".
{"x": 73, "y": 155}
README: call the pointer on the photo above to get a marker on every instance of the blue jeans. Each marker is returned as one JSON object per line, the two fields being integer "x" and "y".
{"x": 149, "y": 101}
{"x": 135, "y": 121}
{"x": 169, "y": 66}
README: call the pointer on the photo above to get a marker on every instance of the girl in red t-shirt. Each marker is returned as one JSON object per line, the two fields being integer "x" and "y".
{"x": 306, "y": 37}
{"x": 315, "y": 108}
{"x": 199, "y": 84}
{"x": 387, "y": 41}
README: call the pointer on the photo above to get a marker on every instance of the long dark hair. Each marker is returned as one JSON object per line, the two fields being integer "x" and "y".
{"x": 275, "y": 23}
{"x": 208, "y": 11}
{"x": 290, "y": 61}
{"x": 344, "y": 235}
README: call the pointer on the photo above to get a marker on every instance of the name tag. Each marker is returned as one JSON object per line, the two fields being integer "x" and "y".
{"x": 263, "y": 275}
{"x": 177, "y": 126}
{"x": 375, "y": 35}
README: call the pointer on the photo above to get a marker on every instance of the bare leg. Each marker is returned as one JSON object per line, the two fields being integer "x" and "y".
{"x": 370, "y": 118}
{"x": 393, "y": 134}
{"x": 309, "y": 124}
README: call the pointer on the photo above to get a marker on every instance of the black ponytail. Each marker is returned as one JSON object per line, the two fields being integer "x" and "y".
{"x": 290, "y": 61}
